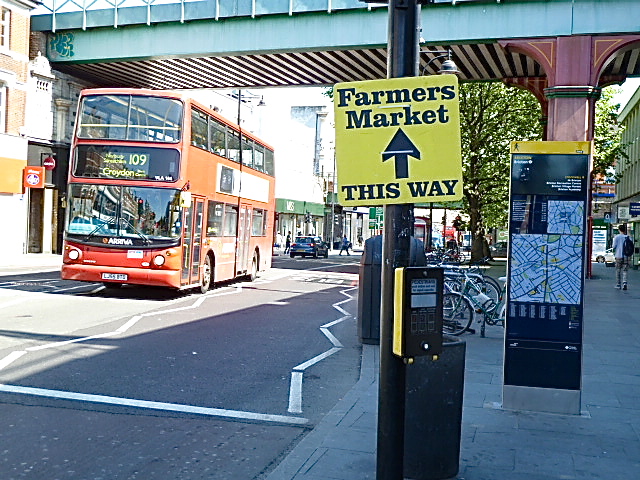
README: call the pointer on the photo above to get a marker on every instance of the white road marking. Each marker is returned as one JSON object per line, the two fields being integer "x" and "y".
{"x": 12, "y": 357}
{"x": 295, "y": 393}
{"x": 295, "y": 386}
{"x": 68, "y": 342}
{"x": 129, "y": 324}
{"x": 303, "y": 366}
{"x": 170, "y": 407}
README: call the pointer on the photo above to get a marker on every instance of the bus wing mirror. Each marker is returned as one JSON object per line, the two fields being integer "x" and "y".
{"x": 185, "y": 199}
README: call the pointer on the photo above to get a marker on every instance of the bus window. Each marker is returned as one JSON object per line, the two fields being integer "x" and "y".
{"x": 104, "y": 117}
{"x": 258, "y": 158}
{"x": 230, "y": 220}
{"x": 258, "y": 223}
{"x": 217, "y": 133}
{"x": 269, "y": 168}
{"x": 233, "y": 146}
{"x": 153, "y": 119}
{"x": 215, "y": 219}
{"x": 199, "y": 132}
{"x": 130, "y": 117}
{"x": 247, "y": 152}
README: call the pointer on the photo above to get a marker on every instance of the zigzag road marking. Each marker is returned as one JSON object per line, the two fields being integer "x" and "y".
{"x": 295, "y": 385}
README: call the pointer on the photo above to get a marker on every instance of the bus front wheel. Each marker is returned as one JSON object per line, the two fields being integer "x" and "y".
{"x": 207, "y": 275}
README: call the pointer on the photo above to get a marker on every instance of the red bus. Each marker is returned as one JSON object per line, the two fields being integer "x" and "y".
{"x": 163, "y": 191}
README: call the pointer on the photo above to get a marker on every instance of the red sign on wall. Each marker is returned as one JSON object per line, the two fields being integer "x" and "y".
{"x": 33, "y": 177}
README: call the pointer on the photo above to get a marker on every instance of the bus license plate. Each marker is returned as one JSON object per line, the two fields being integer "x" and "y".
{"x": 114, "y": 276}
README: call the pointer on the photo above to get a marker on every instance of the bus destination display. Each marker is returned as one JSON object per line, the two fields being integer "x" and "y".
{"x": 126, "y": 163}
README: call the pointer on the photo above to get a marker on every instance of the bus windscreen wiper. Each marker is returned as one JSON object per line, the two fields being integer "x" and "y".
{"x": 144, "y": 238}
{"x": 94, "y": 231}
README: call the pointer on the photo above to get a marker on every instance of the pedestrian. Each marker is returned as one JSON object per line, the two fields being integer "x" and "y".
{"x": 622, "y": 260}
{"x": 287, "y": 243}
{"x": 344, "y": 246}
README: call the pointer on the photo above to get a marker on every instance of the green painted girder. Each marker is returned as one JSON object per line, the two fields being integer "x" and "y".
{"x": 473, "y": 22}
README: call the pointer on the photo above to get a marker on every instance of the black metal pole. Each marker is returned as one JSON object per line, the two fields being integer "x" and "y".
{"x": 402, "y": 61}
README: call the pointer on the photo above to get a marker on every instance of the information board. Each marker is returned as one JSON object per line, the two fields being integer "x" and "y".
{"x": 547, "y": 231}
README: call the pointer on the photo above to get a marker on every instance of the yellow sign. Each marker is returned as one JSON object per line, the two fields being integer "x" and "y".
{"x": 398, "y": 141}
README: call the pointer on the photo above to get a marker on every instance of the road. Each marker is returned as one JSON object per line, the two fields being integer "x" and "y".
{"x": 142, "y": 383}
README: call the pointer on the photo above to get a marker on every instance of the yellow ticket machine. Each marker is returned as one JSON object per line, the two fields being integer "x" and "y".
{"x": 417, "y": 322}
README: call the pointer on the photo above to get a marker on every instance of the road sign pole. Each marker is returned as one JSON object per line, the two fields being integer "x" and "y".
{"x": 402, "y": 61}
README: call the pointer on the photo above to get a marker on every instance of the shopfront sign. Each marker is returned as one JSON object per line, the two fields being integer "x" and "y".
{"x": 33, "y": 177}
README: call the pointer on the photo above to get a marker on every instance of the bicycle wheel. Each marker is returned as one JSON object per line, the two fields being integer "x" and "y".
{"x": 490, "y": 289}
{"x": 457, "y": 313}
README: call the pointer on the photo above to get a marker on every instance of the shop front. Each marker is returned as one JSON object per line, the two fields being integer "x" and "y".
{"x": 298, "y": 217}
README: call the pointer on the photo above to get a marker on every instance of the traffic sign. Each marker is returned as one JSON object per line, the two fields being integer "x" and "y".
{"x": 398, "y": 140}
{"x": 376, "y": 218}
{"x": 49, "y": 163}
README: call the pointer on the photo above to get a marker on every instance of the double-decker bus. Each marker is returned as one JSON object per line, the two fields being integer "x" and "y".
{"x": 163, "y": 191}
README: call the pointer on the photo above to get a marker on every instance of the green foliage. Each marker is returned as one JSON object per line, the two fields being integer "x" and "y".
{"x": 492, "y": 115}
{"x": 607, "y": 140}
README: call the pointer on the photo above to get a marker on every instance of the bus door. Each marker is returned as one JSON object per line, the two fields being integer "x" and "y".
{"x": 244, "y": 235}
{"x": 192, "y": 242}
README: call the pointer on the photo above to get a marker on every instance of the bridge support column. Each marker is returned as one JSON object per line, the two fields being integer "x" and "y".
{"x": 573, "y": 67}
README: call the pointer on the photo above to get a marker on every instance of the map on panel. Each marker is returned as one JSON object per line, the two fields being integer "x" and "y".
{"x": 565, "y": 217}
{"x": 547, "y": 268}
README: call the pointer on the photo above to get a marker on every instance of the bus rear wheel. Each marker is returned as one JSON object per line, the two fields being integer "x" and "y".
{"x": 207, "y": 275}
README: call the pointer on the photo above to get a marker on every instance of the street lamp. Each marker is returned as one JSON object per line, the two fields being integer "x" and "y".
{"x": 447, "y": 67}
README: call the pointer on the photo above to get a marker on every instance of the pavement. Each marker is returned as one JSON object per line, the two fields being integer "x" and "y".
{"x": 603, "y": 442}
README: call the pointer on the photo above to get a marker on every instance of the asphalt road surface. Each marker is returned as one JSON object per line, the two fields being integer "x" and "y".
{"x": 143, "y": 383}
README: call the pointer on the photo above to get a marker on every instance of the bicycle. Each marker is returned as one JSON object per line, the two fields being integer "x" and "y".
{"x": 459, "y": 308}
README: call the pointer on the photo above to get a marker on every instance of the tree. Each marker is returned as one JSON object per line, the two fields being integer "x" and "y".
{"x": 492, "y": 115}
{"x": 607, "y": 139}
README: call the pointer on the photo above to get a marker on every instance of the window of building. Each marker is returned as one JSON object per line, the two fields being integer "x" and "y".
{"x": 3, "y": 107}
{"x": 5, "y": 28}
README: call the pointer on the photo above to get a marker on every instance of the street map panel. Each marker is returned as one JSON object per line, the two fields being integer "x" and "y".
{"x": 547, "y": 268}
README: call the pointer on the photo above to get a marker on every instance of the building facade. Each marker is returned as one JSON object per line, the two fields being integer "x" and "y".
{"x": 14, "y": 146}
{"x": 627, "y": 200}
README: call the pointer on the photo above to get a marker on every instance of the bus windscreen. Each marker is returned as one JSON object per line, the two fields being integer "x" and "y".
{"x": 126, "y": 163}
{"x": 130, "y": 117}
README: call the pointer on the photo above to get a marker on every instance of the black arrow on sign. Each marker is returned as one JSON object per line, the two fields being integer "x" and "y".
{"x": 401, "y": 147}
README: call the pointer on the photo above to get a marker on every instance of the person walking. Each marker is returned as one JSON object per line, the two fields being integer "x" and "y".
{"x": 622, "y": 260}
{"x": 344, "y": 246}
{"x": 287, "y": 243}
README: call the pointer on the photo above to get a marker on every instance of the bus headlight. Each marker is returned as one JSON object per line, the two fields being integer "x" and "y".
{"x": 158, "y": 260}
{"x": 73, "y": 254}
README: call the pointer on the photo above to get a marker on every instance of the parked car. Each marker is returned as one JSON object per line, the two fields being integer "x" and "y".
{"x": 499, "y": 249}
{"x": 603, "y": 257}
{"x": 309, "y": 245}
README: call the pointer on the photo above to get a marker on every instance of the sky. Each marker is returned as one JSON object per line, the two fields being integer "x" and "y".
{"x": 628, "y": 89}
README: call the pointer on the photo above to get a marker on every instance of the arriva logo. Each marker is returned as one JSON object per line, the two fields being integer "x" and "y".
{"x": 118, "y": 241}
